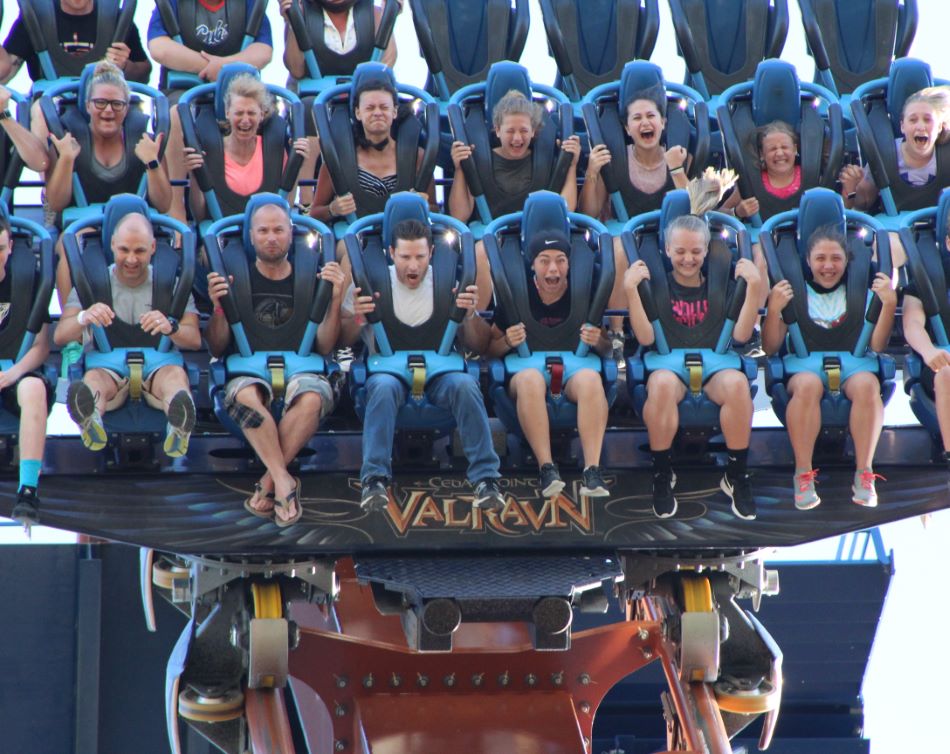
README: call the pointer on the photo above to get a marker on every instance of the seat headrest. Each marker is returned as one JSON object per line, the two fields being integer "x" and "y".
{"x": 403, "y": 206}
{"x": 544, "y": 210}
{"x": 116, "y": 208}
{"x": 776, "y": 94}
{"x": 675, "y": 204}
{"x": 943, "y": 216}
{"x": 370, "y": 73}
{"x": 907, "y": 76}
{"x": 83, "y": 88}
{"x": 228, "y": 72}
{"x": 819, "y": 207}
{"x": 641, "y": 77}
{"x": 504, "y": 76}
{"x": 253, "y": 204}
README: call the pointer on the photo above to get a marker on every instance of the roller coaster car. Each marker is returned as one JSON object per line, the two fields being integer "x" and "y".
{"x": 326, "y": 68}
{"x": 605, "y": 114}
{"x": 180, "y": 23}
{"x": 460, "y": 40}
{"x": 274, "y": 354}
{"x": 693, "y": 353}
{"x": 812, "y": 111}
{"x": 591, "y": 276}
{"x": 723, "y": 42}
{"x": 924, "y": 239}
{"x": 64, "y": 104}
{"x": 202, "y": 110}
{"x": 877, "y": 107}
{"x": 124, "y": 348}
{"x": 31, "y": 270}
{"x": 113, "y": 21}
{"x": 334, "y": 112}
{"x": 412, "y": 354}
{"x": 854, "y": 42}
{"x": 837, "y": 353}
{"x": 470, "y": 117}
{"x": 591, "y": 42}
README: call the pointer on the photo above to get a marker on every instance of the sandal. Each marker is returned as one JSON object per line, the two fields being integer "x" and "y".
{"x": 266, "y": 514}
{"x": 283, "y": 504}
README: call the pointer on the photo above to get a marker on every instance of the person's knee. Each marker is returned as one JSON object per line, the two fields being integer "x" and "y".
{"x": 663, "y": 386}
{"x": 251, "y": 396}
{"x": 529, "y": 383}
{"x": 863, "y": 388}
{"x": 587, "y": 388}
{"x": 308, "y": 404}
{"x": 942, "y": 382}
{"x": 31, "y": 391}
{"x": 384, "y": 388}
{"x": 806, "y": 387}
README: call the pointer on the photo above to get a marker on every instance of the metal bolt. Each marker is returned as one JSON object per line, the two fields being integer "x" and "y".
{"x": 395, "y": 680}
{"x": 643, "y": 634}
{"x": 557, "y": 678}
{"x": 584, "y": 679}
{"x": 477, "y": 679}
{"x": 339, "y": 710}
{"x": 339, "y": 745}
{"x": 449, "y": 680}
{"x": 422, "y": 680}
{"x": 586, "y": 742}
{"x": 531, "y": 679}
{"x": 647, "y": 654}
{"x": 341, "y": 681}
{"x": 585, "y": 708}
{"x": 504, "y": 679}
{"x": 368, "y": 681}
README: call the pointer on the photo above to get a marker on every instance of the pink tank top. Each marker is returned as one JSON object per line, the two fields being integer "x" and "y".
{"x": 786, "y": 191}
{"x": 245, "y": 179}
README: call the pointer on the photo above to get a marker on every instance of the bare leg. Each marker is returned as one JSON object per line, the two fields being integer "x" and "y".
{"x": 529, "y": 392}
{"x": 31, "y": 396}
{"x": 167, "y": 381}
{"x": 729, "y": 389}
{"x": 803, "y": 416}
{"x": 297, "y": 426}
{"x": 265, "y": 440}
{"x": 660, "y": 413}
{"x": 102, "y": 386}
{"x": 618, "y": 299}
{"x": 586, "y": 389}
{"x": 482, "y": 276}
{"x": 942, "y": 401}
{"x": 867, "y": 416}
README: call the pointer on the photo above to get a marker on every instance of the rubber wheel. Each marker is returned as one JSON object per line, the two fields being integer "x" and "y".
{"x": 697, "y": 594}
{"x": 165, "y": 573}
{"x": 267, "y": 600}
{"x": 192, "y": 706}
{"x": 757, "y": 701}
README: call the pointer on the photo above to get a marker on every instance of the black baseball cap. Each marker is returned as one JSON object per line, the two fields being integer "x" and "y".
{"x": 546, "y": 240}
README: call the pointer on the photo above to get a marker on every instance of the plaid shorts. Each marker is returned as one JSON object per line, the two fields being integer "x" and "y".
{"x": 302, "y": 382}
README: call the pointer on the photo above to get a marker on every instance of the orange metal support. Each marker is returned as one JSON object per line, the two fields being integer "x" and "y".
{"x": 267, "y": 724}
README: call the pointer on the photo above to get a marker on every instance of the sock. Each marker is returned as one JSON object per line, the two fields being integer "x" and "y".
{"x": 662, "y": 461}
{"x": 946, "y": 458}
{"x": 30, "y": 473}
{"x": 738, "y": 460}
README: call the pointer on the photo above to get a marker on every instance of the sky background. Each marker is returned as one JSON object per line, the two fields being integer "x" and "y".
{"x": 904, "y": 687}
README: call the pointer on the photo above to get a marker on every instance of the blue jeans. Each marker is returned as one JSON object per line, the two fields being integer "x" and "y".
{"x": 453, "y": 391}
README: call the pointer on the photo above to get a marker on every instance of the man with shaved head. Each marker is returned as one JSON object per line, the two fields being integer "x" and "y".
{"x": 101, "y": 390}
{"x": 307, "y": 396}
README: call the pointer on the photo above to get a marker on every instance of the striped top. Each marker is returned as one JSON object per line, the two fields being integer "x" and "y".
{"x": 373, "y": 184}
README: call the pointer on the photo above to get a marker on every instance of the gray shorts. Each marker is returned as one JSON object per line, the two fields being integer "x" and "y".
{"x": 302, "y": 382}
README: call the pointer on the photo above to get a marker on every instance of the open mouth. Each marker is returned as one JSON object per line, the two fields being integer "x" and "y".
{"x": 647, "y": 134}
{"x": 921, "y": 141}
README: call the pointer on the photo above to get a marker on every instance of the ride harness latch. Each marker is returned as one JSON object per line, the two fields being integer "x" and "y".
{"x": 832, "y": 368}
{"x": 417, "y": 370}
{"x": 135, "y": 361}
{"x": 278, "y": 377}
{"x": 555, "y": 367}
{"x": 694, "y": 369}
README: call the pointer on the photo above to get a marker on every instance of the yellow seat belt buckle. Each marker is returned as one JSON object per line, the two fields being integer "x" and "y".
{"x": 832, "y": 367}
{"x": 278, "y": 382}
{"x": 135, "y": 360}
{"x": 417, "y": 368}
{"x": 694, "y": 368}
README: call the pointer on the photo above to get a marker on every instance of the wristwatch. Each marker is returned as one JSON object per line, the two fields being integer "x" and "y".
{"x": 174, "y": 323}
{"x": 152, "y": 164}
{"x": 4, "y": 114}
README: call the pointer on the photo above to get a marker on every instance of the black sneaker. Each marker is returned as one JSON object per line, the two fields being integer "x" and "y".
{"x": 551, "y": 482}
{"x": 739, "y": 491}
{"x": 664, "y": 503}
{"x": 488, "y": 496}
{"x": 375, "y": 495}
{"x": 594, "y": 485}
{"x": 26, "y": 510}
{"x": 181, "y": 421}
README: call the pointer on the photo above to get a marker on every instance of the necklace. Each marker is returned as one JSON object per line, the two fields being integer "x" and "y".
{"x": 643, "y": 165}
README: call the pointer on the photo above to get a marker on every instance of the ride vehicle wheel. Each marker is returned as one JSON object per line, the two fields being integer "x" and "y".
{"x": 165, "y": 573}
{"x": 699, "y": 632}
{"x": 741, "y": 698}
{"x": 210, "y": 709}
{"x": 267, "y": 599}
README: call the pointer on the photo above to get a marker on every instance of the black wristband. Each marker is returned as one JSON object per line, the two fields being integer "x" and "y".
{"x": 152, "y": 165}
{"x": 4, "y": 114}
{"x": 176, "y": 325}
{"x": 852, "y": 195}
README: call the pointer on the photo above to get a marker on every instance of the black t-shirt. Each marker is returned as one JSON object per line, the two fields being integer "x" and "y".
{"x": 689, "y": 304}
{"x": 5, "y": 295}
{"x": 77, "y": 35}
{"x": 549, "y": 315}
{"x": 273, "y": 300}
